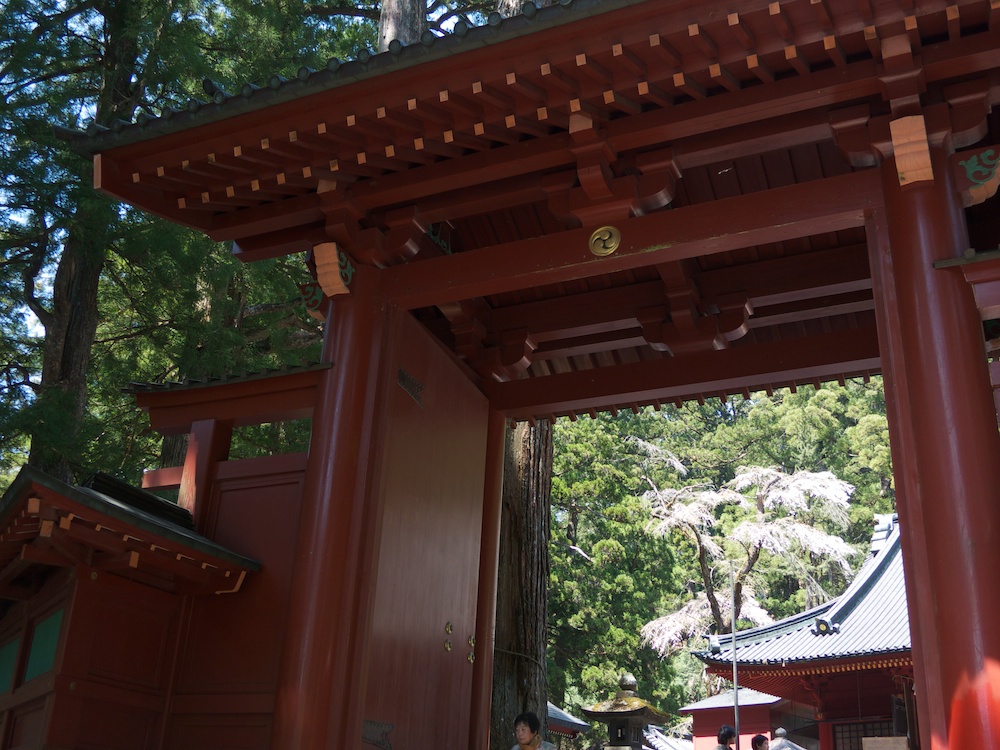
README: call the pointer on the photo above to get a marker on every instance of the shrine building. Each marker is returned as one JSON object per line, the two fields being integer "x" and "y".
{"x": 593, "y": 206}
{"x": 833, "y": 676}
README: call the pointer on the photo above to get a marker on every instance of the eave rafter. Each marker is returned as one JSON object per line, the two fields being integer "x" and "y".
{"x": 55, "y": 532}
{"x": 239, "y": 184}
{"x": 527, "y": 151}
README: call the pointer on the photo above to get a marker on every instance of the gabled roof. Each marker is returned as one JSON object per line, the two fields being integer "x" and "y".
{"x": 869, "y": 619}
{"x": 46, "y": 522}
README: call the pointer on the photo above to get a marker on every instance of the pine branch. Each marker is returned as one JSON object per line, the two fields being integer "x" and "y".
{"x": 342, "y": 11}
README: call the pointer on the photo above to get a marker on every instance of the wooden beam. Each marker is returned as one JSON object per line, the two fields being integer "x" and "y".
{"x": 767, "y": 283}
{"x": 266, "y": 399}
{"x": 704, "y": 42}
{"x": 820, "y": 357}
{"x": 780, "y": 20}
{"x": 767, "y": 216}
{"x": 665, "y": 50}
{"x": 741, "y": 31}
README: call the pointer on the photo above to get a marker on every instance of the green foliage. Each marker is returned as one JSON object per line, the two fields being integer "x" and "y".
{"x": 168, "y": 304}
{"x": 608, "y": 576}
{"x": 603, "y": 466}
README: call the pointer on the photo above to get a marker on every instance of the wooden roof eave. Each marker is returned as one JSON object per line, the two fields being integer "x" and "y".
{"x": 274, "y": 396}
{"x": 901, "y": 658}
{"x": 47, "y": 522}
{"x": 851, "y": 82}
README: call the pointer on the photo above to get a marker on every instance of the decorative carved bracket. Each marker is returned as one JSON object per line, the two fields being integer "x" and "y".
{"x": 688, "y": 323}
{"x": 903, "y": 79}
{"x": 312, "y": 296}
{"x": 394, "y": 240}
{"x": 611, "y": 190}
{"x": 976, "y": 173}
{"x": 957, "y": 122}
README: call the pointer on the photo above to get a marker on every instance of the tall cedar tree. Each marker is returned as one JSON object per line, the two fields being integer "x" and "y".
{"x": 96, "y": 62}
{"x": 519, "y": 675}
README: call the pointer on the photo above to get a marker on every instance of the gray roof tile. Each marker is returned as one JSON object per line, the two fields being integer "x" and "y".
{"x": 870, "y": 618}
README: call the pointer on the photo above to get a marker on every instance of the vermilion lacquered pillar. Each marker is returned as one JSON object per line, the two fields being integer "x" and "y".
{"x": 946, "y": 453}
{"x": 486, "y": 606}
{"x": 318, "y": 703}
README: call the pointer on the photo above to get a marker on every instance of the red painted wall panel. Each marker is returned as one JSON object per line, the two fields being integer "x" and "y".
{"x": 231, "y": 646}
{"x": 112, "y": 726}
{"x": 233, "y": 641}
{"x": 430, "y": 483}
{"x": 753, "y": 720}
{"x": 121, "y": 633}
{"x": 238, "y": 732}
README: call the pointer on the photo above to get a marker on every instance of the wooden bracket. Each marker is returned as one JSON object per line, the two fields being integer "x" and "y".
{"x": 648, "y": 184}
{"x": 334, "y": 268}
{"x": 689, "y": 323}
{"x": 959, "y": 121}
{"x": 903, "y": 79}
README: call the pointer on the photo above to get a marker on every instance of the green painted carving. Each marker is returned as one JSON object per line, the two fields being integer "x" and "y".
{"x": 346, "y": 268}
{"x": 312, "y": 295}
{"x": 435, "y": 235}
{"x": 980, "y": 172}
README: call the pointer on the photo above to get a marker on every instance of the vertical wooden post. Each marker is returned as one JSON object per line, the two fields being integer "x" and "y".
{"x": 946, "y": 453}
{"x": 318, "y": 706}
{"x": 208, "y": 443}
{"x": 486, "y": 607}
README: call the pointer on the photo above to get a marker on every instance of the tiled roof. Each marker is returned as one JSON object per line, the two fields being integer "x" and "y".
{"x": 226, "y": 379}
{"x": 221, "y": 104}
{"x": 869, "y": 619}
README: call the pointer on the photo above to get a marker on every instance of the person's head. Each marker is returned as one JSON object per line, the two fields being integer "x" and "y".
{"x": 759, "y": 742}
{"x": 526, "y": 726}
{"x": 726, "y": 734}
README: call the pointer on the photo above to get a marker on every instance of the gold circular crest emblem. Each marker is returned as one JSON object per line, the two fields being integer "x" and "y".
{"x": 605, "y": 241}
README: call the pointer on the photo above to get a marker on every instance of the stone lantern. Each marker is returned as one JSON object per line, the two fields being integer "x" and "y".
{"x": 627, "y": 716}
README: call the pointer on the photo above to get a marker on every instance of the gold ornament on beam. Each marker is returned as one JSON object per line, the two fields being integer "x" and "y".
{"x": 605, "y": 241}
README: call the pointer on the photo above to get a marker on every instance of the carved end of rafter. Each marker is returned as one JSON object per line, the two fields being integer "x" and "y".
{"x": 653, "y": 321}
{"x": 334, "y": 269}
{"x": 516, "y": 348}
{"x": 969, "y": 105}
{"x": 657, "y": 183}
{"x": 903, "y": 79}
